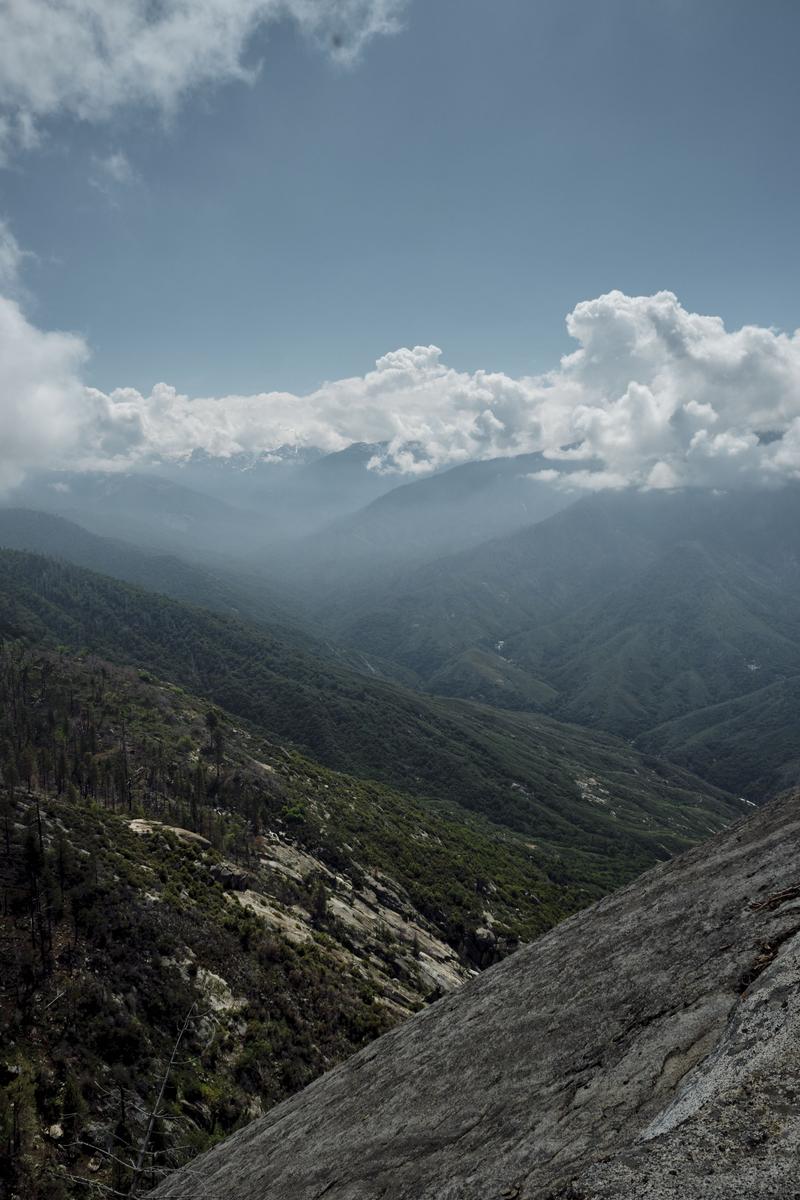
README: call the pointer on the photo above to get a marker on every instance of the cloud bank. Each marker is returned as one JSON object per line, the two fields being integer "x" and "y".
{"x": 89, "y": 58}
{"x": 653, "y": 396}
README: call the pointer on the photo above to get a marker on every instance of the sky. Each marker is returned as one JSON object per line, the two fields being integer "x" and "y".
{"x": 253, "y": 197}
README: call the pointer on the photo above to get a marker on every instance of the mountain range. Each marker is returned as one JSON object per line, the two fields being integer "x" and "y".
{"x": 290, "y": 749}
{"x": 623, "y": 612}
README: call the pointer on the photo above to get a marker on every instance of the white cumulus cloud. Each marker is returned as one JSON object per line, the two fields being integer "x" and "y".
{"x": 89, "y": 58}
{"x": 653, "y": 396}
{"x": 43, "y": 403}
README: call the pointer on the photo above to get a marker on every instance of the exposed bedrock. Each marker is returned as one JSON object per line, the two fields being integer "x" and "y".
{"x": 647, "y": 1048}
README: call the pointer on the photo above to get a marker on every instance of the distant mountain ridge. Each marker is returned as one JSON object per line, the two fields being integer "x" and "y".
{"x": 622, "y": 612}
{"x": 56, "y": 537}
{"x": 416, "y": 522}
{"x": 236, "y": 507}
{"x": 152, "y": 512}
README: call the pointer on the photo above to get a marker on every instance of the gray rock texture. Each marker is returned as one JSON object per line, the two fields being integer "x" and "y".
{"x": 647, "y": 1048}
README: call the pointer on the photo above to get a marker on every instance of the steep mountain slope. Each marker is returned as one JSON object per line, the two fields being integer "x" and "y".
{"x": 147, "y": 510}
{"x": 622, "y": 612}
{"x": 419, "y": 521}
{"x": 751, "y": 745}
{"x": 568, "y": 567}
{"x": 230, "y": 589}
{"x": 592, "y": 798}
{"x": 160, "y": 865}
{"x": 693, "y": 629}
{"x": 480, "y": 597}
{"x": 226, "y": 592}
{"x": 646, "y": 1048}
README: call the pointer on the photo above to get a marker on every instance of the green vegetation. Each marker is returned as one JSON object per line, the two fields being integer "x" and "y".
{"x": 622, "y": 613}
{"x": 185, "y": 864}
{"x": 235, "y": 595}
{"x": 112, "y": 935}
{"x": 525, "y": 778}
{"x": 750, "y": 745}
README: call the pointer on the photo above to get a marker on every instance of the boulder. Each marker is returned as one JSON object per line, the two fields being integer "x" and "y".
{"x": 232, "y": 878}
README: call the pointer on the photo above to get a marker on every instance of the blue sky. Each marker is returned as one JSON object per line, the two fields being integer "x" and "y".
{"x": 466, "y": 182}
{"x": 401, "y": 249}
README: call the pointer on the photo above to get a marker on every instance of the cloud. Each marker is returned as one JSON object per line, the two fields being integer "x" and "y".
{"x": 115, "y": 168}
{"x": 654, "y": 396}
{"x": 89, "y": 58}
{"x": 671, "y": 397}
{"x": 18, "y": 131}
{"x": 43, "y": 403}
{"x": 11, "y": 259}
{"x": 428, "y": 415}
{"x": 582, "y": 481}
{"x": 111, "y": 173}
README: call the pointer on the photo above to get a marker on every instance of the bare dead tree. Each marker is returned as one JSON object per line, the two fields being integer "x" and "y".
{"x": 155, "y": 1111}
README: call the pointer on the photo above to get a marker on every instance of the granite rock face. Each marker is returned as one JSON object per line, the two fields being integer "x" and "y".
{"x": 646, "y": 1049}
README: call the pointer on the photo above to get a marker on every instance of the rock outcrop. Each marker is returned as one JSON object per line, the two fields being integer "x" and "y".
{"x": 646, "y": 1049}
{"x": 232, "y": 878}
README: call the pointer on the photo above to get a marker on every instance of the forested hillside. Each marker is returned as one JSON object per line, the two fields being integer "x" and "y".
{"x": 223, "y": 845}
{"x": 624, "y": 612}
{"x": 751, "y": 744}
{"x": 222, "y": 590}
{"x": 530, "y": 774}
{"x": 165, "y": 869}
